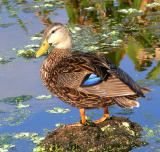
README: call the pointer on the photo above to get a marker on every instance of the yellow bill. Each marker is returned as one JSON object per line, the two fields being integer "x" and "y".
{"x": 43, "y": 49}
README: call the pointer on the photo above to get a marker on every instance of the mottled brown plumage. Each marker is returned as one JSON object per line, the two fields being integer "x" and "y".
{"x": 63, "y": 74}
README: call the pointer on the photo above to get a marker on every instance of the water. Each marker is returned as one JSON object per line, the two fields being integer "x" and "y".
{"x": 129, "y": 38}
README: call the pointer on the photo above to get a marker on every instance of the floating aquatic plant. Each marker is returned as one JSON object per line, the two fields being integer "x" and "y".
{"x": 3, "y": 61}
{"x": 130, "y": 11}
{"x": 6, "y": 147}
{"x": 30, "y": 53}
{"x": 58, "y": 110}
{"x": 44, "y": 97}
{"x": 29, "y": 136}
{"x": 59, "y": 125}
{"x": 20, "y": 106}
{"x": 35, "y": 38}
{"x": 16, "y": 118}
{"x": 25, "y": 135}
{"x": 5, "y": 142}
{"x": 152, "y": 5}
{"x": 17, "y": 100}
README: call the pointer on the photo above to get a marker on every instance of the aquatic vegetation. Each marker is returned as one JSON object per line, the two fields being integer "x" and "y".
{"x": 16, "y": 118}
{"x": 152, "y": 5}
{"x": 130, "y": 11}
{"x": 6, "y": 147}
{"x": 58, "y": 110}
{"x": 20, "y": 106}
{"x": 44, "y": 97}
{"x": 39, "y": 149}
{"x": 152, "y": 134}
{"x": 36, "y": 38}
{"x": 32, "y": 46}
{"x": 29, "y": 136}
{"x": 25, "y": 135}
{"x": 30, "y": 53}
{"x": 149, "y": 82}
{"x": 16, "y": 100}
{"x": 59, "y": 125}
{"x": 5, "y": 142}
{"x": 4, "y": 61}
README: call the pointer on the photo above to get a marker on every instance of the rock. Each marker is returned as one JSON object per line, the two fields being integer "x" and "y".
{"x": 118, "y": 134}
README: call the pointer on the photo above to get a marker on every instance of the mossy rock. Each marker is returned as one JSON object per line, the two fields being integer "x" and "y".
{"x": 118, "y": 134}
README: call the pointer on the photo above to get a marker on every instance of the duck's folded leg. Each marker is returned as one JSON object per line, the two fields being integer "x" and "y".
{"x": 106, "y": 116}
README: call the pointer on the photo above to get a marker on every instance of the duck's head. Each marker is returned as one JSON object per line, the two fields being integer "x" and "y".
{"x": 55, "y": 34}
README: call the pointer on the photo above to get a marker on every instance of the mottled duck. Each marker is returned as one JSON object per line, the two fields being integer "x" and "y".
{"x": 84, "y": 80}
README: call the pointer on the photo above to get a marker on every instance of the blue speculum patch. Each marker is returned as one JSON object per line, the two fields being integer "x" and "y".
{"x": 91, "y": 80}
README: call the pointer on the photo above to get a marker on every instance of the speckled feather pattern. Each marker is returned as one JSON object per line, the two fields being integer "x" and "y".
{"x": 63, "y": 75}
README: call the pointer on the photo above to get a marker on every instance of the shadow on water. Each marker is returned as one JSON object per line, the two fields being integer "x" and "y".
{"x": 125, "y": 31}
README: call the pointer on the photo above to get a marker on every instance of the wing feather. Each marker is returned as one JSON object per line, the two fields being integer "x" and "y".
{"x": 115, "y": 82}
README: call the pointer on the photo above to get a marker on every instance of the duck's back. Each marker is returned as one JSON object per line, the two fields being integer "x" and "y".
{"x": 91, "y": 80}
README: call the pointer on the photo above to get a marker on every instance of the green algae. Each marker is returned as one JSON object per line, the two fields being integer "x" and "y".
{"x": 16, "y": 100}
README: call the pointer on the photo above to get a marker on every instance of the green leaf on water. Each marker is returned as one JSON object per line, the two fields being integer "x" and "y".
{"x": 30, "y": 53}
{"x": 152, "y": 5}
{"x": 20, "y": 106}
{"x": 58, "y": 110}
{"x": 6, "y": 147}
{"x": 59, "y": 125}
{"x": 8, "y": 119}
{"x": 25, "y": 135}
{"x": 3, "y": 61}
{"x": 17, "y": 100}
{"x": 44, "y": 97}
{"x": 5, "y": 142}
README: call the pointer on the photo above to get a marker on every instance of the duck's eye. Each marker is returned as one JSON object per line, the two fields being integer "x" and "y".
{"x": 53, "y": 31}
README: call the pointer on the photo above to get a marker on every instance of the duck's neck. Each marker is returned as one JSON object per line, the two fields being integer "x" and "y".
{"x": 56, "y": 55}
{"x": 50, "y": 62}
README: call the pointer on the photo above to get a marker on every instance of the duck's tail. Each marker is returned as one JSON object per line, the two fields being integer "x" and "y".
{"x": 125, "y": 102}
{"x": 145, "y": 90}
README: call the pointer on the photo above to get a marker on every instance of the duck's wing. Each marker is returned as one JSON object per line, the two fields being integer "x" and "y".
{"x": 96, "y": 75}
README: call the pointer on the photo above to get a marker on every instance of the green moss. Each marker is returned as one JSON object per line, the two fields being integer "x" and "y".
{"x": 115, "y": 135}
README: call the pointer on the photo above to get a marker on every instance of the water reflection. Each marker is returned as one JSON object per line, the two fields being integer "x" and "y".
{"x": 138, "y": 30}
